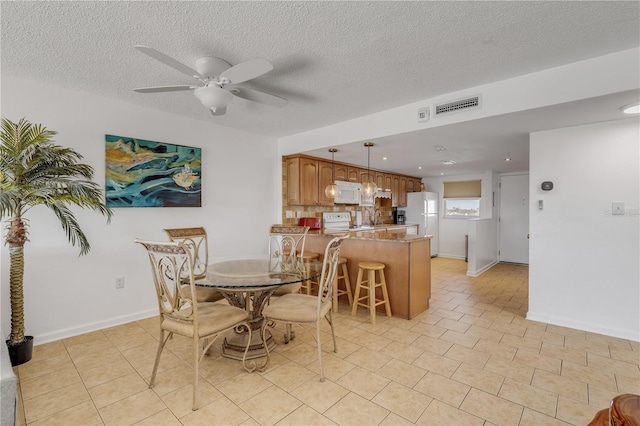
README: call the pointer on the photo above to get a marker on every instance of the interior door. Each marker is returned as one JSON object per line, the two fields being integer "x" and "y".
{"x": 514, "y": 219}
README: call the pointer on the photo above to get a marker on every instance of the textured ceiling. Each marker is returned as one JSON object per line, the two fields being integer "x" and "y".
{"x": 333, "y": 61}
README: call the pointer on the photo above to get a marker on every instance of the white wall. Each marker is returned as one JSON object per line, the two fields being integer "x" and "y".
{"x": 483, "y": 245}
{"x": 611, "y": 73}
{"x": 452, "y": 231}
{"x": 66, "y": 294}
{"x": 584, "y": 262}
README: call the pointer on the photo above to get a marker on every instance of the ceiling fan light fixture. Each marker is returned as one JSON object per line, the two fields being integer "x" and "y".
{"x": 631, "y": 108}
{"x": 213, "y": 97}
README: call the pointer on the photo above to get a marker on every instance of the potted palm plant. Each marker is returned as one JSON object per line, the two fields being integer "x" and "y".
{"x": 34, "y": 171}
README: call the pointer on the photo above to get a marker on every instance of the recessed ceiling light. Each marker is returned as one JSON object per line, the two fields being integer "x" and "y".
{"x": 507, "y": 159}
{"x": 439, "y": 148}
{"x": 419, "y": 167}
{"x": 631, "y": 108}
{"x": 384, "y": 158}
{"x": 441, "y": 174}
{"x": 448, "y": 162}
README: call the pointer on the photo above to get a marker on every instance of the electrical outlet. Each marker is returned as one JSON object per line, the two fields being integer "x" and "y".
{"x": 289, "y": 214}
{"x": 120, "y": 282}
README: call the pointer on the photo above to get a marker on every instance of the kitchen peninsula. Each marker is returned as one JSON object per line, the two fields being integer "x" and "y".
{"x": 407, "y": 259}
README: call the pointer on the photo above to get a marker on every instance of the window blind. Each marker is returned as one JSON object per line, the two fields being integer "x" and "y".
{"x": 463, "y": 189}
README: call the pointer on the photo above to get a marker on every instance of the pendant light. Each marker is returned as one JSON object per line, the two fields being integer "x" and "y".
{"x": 332, "y": 190}
{"x": 369, "y": 188}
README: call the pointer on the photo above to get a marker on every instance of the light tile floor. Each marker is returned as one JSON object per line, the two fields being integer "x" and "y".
{"x": 471, "y": 359}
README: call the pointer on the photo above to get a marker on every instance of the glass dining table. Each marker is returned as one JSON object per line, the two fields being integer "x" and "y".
{"x": 248, "y": 284}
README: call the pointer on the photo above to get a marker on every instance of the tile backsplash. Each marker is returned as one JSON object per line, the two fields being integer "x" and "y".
{"x": 386, "y": 213}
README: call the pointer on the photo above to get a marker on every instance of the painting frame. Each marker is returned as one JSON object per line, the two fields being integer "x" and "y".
{"x": 146, "y": 173}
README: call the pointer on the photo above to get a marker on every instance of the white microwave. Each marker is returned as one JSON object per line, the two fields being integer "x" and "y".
{"x": 349, "y": 192}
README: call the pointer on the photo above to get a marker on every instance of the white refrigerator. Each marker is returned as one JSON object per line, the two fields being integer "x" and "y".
{"x": 422, "y": 208}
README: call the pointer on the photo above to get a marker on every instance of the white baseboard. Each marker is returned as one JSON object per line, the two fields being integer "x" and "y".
{"x": 451, "y": 256}
{"x": 94, "y": 326}
{"x": 585, "y": 326}
{"x": 481, "y": 270}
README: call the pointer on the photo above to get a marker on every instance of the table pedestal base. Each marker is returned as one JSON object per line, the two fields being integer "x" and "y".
{"x": 234, "y": 345}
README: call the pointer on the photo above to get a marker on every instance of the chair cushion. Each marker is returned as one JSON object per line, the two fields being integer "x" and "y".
{"x": 204, "y": 294}
{"x": 212, "y": 318}
{"x": 296, "y": 307}
{"x": 287, "y": 288}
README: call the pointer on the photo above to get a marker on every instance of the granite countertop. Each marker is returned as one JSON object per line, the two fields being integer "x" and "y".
{"x": 372, "y": 234}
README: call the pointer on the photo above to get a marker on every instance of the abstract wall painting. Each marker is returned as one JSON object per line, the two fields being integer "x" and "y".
{"x": 141, "y": 173}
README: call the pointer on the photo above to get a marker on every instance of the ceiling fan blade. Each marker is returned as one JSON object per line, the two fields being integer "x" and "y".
{"x": 163, "y": 89}
{"x": 218, "y": 111}
{"x": 247, "y": 70}
{"x": 257, "y": 96}
{"x": 167, "y": 60}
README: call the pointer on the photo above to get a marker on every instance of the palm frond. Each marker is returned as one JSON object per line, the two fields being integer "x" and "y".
{"x": 71, "y": 227}
{"x": 35, "y": 171}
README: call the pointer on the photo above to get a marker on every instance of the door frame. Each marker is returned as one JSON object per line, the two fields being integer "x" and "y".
{"x": 500, "y": 213}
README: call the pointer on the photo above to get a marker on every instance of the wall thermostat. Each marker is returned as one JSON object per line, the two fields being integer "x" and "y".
{"x": 547, "y": 186}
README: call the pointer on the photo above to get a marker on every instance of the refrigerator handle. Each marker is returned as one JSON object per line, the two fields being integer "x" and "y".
{"x": 426, "y": 216}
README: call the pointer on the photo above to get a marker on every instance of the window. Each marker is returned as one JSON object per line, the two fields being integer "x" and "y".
{"x": 460, "y": 207}
{"x": 462, "y": 199}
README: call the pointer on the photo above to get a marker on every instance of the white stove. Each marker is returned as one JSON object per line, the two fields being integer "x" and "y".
{"x": 336, "y": 220}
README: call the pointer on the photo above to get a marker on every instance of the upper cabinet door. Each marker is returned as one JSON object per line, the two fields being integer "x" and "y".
{"x": 395, "y": 190}
{"x": 353, "y": 174}
{"x": 325, "y": 177}
{"x": 309, "y": 182}
{"x": 402, "y": 192}
{"x": 379, "y": 180}
{"x": 411, "y": 183}
{"x": 293, "y": 182}
{"x": 341, "y": 172}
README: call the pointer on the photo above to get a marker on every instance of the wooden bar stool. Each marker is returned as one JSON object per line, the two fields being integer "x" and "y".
{"x": 370, "y": 285}
{"x": 307, "y": 257}
{"x": 342, "y": 275}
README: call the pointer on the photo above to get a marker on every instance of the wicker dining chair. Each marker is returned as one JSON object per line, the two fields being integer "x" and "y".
{"x": 180, "y": 313}
{"x": 195, "y": 240}
{"x": 295, "y": 308}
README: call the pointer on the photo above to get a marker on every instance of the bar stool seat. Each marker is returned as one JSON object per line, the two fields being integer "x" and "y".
{"x": 369, "y": 285}
{"x": 342, "y": 275}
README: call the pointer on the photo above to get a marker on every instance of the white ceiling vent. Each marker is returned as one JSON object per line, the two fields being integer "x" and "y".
{"x": 460, "y": 105}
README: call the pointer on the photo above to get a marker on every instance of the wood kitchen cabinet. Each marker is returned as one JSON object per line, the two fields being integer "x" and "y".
{"x": 307, "y": 177}
{"x": 379, "y": 180}
{"x": 402, "y": 191}
{"x": 325, "y": 178}
{"x": 395, "y": 188}
{"x": 306, "y": 180}
{"x": 413, "y": 184}
{"x": 366, "y": 175}
{"x": 388, "y": 182}
{"x": 347, "y": 173}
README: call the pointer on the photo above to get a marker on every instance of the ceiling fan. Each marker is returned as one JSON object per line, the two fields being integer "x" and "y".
{"x": 218, "y": 80}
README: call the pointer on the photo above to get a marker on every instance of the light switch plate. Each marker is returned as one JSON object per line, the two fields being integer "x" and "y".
{"x": 617, "y": 208}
